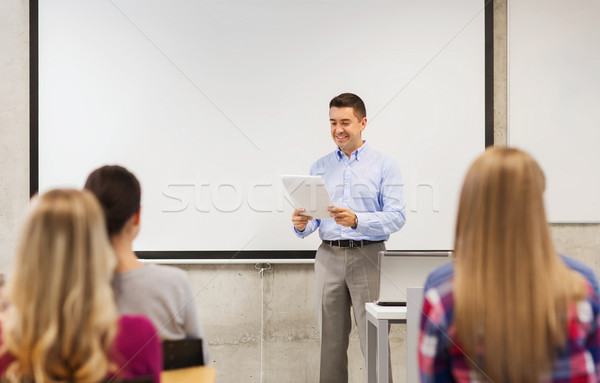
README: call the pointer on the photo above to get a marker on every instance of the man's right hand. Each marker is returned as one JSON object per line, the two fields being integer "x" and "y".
{"x": 300, "y": 221}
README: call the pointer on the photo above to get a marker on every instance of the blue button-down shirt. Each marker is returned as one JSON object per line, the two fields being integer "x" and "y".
{"x": 369, "y": 184}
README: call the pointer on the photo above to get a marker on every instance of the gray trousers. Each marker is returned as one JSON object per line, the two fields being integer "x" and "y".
{"x": 344, "y": 278}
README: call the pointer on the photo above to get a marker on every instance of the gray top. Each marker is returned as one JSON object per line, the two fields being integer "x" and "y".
{"x": 164, "y": 295}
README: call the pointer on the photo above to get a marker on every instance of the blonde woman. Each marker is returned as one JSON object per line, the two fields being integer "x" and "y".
{"x": 62, "y": 324}
{"x": 512, "y": 311}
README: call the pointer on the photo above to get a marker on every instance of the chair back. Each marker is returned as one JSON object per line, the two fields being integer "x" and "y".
{"x": 182, "y": 353}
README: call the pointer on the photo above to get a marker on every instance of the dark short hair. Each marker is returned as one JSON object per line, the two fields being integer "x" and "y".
{"x": 350, "y": 100}
{"x": 119, "y": 193}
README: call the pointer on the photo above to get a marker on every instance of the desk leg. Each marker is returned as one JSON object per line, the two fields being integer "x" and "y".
{"x": 382, "y": 352}
{"x": 371, "y": 349}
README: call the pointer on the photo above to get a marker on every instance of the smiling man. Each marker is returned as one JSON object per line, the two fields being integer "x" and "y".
{"x": 367, "y": 188}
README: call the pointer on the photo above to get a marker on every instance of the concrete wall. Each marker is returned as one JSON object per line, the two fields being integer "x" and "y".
{"x": 269, "y": 321}
{"x": 14, "y": 121}
{"x": 253, "y": 324}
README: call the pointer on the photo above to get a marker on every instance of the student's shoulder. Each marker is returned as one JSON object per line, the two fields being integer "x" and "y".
{"x": 130, "y": 324}
{"x": 584, "y": 270}
{"x": 165, "y": 272}
{"x": 6, "y": 358}
{"x": 152, "y": 277}
{"x": 439, "y": 287}
{"x": 137, "y": 345}
{"x": 173, "y": 279}
{"x": 576, "y": 265}
{"x": 439, "y": 275}
{"x": 438, "y": 304}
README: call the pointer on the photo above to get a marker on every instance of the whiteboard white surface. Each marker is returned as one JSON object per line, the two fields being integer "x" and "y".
{"x": 209, "y": 102}
{"x": 554, "y": 94}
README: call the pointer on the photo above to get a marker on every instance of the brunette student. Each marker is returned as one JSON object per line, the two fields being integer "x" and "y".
{"x": 161, "y": 293}
{"x": 61, "y": 323}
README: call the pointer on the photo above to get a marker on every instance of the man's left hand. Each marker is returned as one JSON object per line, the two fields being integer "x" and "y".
{"x": 342, "y": 216}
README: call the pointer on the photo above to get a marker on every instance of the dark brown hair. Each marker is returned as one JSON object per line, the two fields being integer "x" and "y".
{"x": 119, "y": 193}
{"x": 350, "y": 100}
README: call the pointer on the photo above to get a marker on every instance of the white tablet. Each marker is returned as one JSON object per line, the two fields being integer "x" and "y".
{"x": 310, "y": 193}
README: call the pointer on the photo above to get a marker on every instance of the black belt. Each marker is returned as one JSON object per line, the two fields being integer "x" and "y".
{"x": 350, "y": 243}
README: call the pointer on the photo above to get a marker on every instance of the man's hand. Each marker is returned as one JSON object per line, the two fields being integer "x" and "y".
{"x": 343, "y": 216}
{"x": 300, "y": 221}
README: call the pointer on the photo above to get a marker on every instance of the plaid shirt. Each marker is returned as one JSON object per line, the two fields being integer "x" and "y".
{"x": 440, "y": 358}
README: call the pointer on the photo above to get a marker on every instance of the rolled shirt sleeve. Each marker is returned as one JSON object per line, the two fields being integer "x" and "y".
{"x": 312, "y": 225}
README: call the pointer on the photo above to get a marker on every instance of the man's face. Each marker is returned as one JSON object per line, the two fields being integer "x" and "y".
{"x": 346, "y": 128}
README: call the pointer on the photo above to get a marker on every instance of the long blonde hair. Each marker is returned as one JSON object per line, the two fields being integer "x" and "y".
{"x": 62, "y": 318}
{"x": 511, "y": 289}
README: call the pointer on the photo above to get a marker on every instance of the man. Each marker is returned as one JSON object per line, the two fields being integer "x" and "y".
{"x": 366, "y": 187}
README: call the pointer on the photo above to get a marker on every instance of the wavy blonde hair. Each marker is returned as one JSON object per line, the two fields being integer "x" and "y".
{"x": 62, "y": 319}
{"x": 511, "y": 289}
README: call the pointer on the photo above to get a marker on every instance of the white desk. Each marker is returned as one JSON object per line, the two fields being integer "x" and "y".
{"x": 378, "y": 320}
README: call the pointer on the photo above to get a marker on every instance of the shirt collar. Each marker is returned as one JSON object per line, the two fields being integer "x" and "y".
{"x": 357, "y": 154}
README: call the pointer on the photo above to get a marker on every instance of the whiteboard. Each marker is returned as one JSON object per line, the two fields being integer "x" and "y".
{"x": 554, "y": 94}
{"x": 210, "y": 102}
